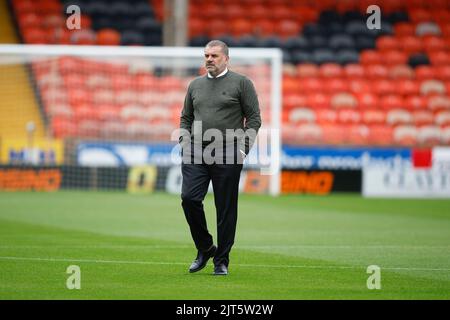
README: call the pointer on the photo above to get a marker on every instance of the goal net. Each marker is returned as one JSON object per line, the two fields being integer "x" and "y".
{"x": 100, "y": 118}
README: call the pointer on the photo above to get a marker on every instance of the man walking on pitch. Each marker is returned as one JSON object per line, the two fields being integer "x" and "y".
{"x": 221, "y": 106}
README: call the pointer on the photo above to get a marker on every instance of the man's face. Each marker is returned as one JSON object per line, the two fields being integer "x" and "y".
{"x": 215, "y": 60}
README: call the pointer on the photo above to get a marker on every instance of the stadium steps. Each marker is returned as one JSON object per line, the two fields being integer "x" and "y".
{"x": 18, "y": 104}
{"x": 7, "y": 33}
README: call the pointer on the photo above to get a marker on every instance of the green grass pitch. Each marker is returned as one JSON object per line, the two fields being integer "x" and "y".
{"x": 291, "y": 247}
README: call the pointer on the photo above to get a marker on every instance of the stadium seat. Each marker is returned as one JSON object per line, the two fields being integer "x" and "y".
{"x": 108, "y": 37}
{"x": 336, "y": 85}
{"x": 307, "y": 70}
{"x": 348, "y": 115}
{"x": 437, "y": 103}
{"x": 401, "y": 72}
{"x": 405, "y": 135}
{"x": 422, "y": 117}
{"x": 404, "y": 29}
{"x": 442, "y": 118}
{"x": 333, "y": 134}
{"x": 398, "y": 116}
{"x": 330, "y": 70}
{"x": 392, "y": 101}
{"x": 370, "y": 57}
{"x": 380, "y": 135}
{"x": 301, "y": 115}
{"x": 373, "y": 117}
{"x": 408, "y": 87}
{"x": 445, "y": 136}
{"x": 376, "y": 71}
{"x": 309, "y": 133}
{"x": 415, "y": 102}
{"x": 343, "y": 100}
{"x": 429, "y": 135}
{"x": 354, "y": 71}
{"x": 326, "y": 116}
{"x": 429, "y": 87}
{"x": 387, "y": 43}
{"x": 357, "y": 135}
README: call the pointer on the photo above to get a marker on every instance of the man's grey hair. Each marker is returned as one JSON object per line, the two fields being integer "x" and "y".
{"x": 218, "y": 43}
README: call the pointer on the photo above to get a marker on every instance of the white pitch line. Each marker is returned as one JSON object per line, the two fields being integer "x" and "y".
{"x": 237, "y": 247}
{"x": 237, "y": 264}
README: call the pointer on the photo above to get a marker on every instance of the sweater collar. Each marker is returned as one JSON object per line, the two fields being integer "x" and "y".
{"x": 220, "y": 75}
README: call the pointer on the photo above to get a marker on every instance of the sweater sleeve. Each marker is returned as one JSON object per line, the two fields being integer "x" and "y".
{"x": 250, "y": 108}
{"x": 187, "y": 115}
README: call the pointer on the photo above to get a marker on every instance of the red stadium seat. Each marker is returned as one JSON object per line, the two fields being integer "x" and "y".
{"x": 108, "y": 37}
{"x": 349, "y": 116}
{"x": 425, "y": 73}
{"x": 408, "y": 87}
{"x": 307, "y": 70}
{"x": 443, "y": 73}
{"x": 343, "y": 100}
{"x": 392, "y": 101}
{"x": 380, "y": 135}
{"x": 217, "y": 28}
{"x": 309, "y": 133}
{"x": 330, "y": 70}
{"x": 357, "y": 86}
{"x": 258, "y": 11}
{"x": 326, "y": 116}
{"x": 333, "y": 134}
{"x": 301, "y": 115}
{"x": 437, "y": 103}
{"x": 415, "y": 102}
{"x": 440, "y": 58}
{"x": 387, "y": 43}
{"x": 398, "y": 116}
{"x": 410, "y": 44}
{"x": 405, "y": 135}
{"x": 197, "y": 27}
{"x": 442, "y": 118}
{"x": 287, "y": 28}
{"x": 432, "y": 87}
{"x": 357, "y": 134}
{"x": 290, "y": 85}
{"x": 429, "y": 135}
{"x": 398, "y": 72}
{"x": 354, "y": 71}
{"x": 373, "y": 117}
{"x": 264, "y": 27}
{"x": 293, "y": 100}
{"x": 309, "y": 85}
{"x": 422, "y": 117}
{"x": 384, "y": 87}
{"x": 404, "y": 29}
{"x": 434, "y": 44}
{"x": 304, "y": 13}
{"x": 376, "y": 71}
{"x": 318, "y": 100}
{"x": 241, "y": 27}
{"x": 367, "y": 100}
{"x": 368, "y": 57}
{"x": 394, "y": 57}
{"x": 332, "y": 86}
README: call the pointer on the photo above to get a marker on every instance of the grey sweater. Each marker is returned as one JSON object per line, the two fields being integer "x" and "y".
{"x": 221, "y": 103}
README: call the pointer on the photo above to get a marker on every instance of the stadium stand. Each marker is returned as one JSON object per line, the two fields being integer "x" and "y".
{"x": 343, "y": 83}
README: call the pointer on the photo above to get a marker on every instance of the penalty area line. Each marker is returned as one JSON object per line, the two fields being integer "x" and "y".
{"x": 237, "y": 264}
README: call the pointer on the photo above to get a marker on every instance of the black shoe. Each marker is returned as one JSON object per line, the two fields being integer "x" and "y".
{"x": 201, "y": 260}
{"x": 220, "y": 270}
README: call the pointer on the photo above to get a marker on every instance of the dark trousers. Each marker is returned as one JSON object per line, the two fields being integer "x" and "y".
{"x": 225, "y": 181}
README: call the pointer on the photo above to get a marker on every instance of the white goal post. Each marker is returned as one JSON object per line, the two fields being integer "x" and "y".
{"x": 74, "y": 85}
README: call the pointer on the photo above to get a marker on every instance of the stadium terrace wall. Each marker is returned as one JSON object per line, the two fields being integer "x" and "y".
{"x": 147, "y": 179}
